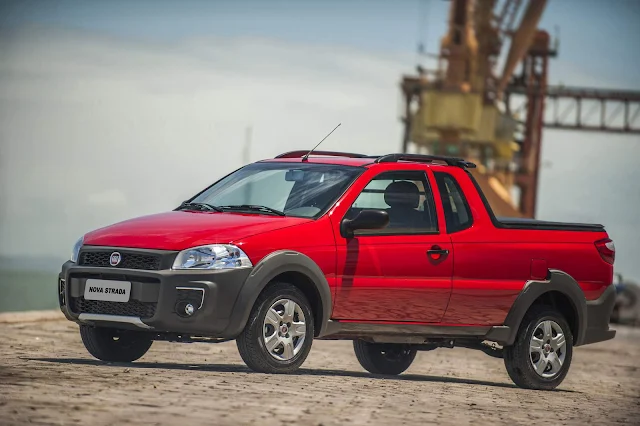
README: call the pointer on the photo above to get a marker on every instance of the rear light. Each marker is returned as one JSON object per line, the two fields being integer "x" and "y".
{"x": 607, "y": 250}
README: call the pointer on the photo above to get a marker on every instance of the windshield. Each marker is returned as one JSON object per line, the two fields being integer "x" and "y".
{"x": 295, "y": 189}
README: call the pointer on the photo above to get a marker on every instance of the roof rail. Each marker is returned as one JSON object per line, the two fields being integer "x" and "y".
{"x": 297, "y": 154}
{"x": 419, "y": 158}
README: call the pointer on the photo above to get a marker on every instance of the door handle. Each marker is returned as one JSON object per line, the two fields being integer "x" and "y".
{"x": 437, "y": 253}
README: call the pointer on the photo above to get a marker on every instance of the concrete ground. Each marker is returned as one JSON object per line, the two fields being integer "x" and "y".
{"x": 47, "y": 377}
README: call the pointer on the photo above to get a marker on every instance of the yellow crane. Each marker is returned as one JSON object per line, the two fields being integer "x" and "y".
{"x": 457, "y": 109}
{"x": 466, "y": 108}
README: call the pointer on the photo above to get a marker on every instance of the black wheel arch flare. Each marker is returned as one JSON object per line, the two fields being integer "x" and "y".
{"x": 558, "y": 281}
{"x": 272, "y": 265}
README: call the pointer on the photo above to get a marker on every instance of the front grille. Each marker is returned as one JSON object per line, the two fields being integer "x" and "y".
{"x": 132, "y": 308}
{"x": 147, "y": 262}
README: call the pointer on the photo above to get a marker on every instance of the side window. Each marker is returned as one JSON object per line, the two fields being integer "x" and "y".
{"x": 456, "y": 209}
{"x": 405, "y": 196}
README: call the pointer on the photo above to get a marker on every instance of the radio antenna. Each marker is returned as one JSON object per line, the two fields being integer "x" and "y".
{"x": 313, "y": 149}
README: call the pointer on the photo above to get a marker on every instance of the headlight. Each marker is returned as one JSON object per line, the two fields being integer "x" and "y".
{"x": 76, "y": 249}
{"x": 214, "y": 256}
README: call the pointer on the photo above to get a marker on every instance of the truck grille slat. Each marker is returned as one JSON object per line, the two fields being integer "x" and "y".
{"x": 133, "y": 308}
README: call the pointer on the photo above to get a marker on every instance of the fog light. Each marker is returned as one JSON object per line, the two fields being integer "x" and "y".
{"x": 189, "y": 309}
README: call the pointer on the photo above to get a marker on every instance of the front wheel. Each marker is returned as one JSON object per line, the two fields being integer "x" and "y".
{"x": 112, "y": 345}
{"x": 279, "y": 333}
{"x": 384, "y": 358}
{"x": 541, "y": 355}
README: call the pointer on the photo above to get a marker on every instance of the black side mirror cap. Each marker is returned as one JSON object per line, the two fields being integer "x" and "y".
{"x": 366, "y": 219}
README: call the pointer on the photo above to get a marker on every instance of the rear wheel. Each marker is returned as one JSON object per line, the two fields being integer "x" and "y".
{"x": 279, "y": 333}
{"x": 541, "y": 355}
{"x": 113, "y": 345}
{"x": 384, "y": 358}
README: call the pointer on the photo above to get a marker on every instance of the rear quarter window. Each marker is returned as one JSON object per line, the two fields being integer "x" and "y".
{"x": 457, "y": 213}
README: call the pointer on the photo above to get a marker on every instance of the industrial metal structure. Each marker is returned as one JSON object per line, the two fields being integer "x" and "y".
{"x": 465, "y": 108}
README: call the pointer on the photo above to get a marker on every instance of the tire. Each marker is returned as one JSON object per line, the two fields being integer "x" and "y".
{"x": 383, "y": 358}
{"x": 263, "y": 345}
{"x": 113, "y": 345}
{"x": 519, "y": 358}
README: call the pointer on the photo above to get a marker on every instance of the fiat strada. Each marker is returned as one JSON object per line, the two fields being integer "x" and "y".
{"x": 398, "y": 253}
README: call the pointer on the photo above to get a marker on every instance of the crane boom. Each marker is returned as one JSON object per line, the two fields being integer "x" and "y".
{"x": 521, "y": 40}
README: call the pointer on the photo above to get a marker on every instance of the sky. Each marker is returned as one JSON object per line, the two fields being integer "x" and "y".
{"x": 110, "y": 110}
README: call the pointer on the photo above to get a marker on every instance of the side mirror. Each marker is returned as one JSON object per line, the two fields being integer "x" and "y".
{"x": 366, "y": 219}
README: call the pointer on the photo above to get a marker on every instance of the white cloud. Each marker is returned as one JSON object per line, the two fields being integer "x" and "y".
{"x": 88, "y": 121}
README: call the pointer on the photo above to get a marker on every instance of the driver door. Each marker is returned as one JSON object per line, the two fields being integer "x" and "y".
{"x": 402, "y": 272}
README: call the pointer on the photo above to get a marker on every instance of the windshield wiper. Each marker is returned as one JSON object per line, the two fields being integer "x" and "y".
{"x": 253, "y": 207}
{"x": 199, "y": 206}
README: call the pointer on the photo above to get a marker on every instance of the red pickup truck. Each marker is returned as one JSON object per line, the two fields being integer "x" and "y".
{"x": 397, "y": 253}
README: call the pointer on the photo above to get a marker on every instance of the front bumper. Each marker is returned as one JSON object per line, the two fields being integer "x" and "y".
{"x": 598, "y": 316}
{"x": 157, "y": 298}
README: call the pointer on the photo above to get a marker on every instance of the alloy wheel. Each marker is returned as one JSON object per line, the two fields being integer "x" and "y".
{"x": 547, "y": 349}
{"x": 284, "y": 329}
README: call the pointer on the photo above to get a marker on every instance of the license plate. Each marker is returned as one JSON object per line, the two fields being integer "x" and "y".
{"x": 112, "y": 291}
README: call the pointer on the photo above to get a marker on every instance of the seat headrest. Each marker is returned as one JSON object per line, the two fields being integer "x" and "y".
{"x": 402, "y": 194}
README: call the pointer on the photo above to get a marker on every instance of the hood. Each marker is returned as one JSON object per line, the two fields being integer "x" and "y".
{"x": 178, "y": 230}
